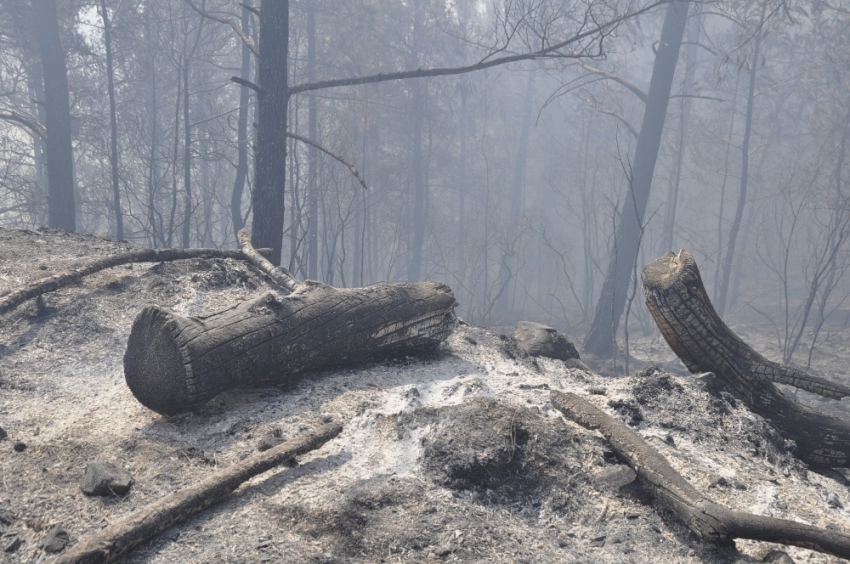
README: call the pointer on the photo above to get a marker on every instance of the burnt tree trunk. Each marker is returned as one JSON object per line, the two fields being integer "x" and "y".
{"x": 174, "y": 364}
{"x": 270, "y": 162}
{"x": 615, "y": 288}
{"x": 61, "y": 212}
{"x": 678, "y": 302}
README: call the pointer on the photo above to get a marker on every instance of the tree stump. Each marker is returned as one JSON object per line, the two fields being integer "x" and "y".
{"x": 677, "y": 300}
{"x": 175, "y": 364}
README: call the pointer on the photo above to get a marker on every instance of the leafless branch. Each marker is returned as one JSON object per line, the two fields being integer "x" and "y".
{"x": 231, "y": 22}
{"x": 547, "y": 52}
{"x": 29, "y": 122}
{"x": 330, "y": 154}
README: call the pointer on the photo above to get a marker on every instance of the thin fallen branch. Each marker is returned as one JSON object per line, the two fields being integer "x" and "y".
{"x": 122, "y": 536}
{"x": 331, "y": 154}
{"x": 706, "y": 518}
{"x": 62, "y": 279}
{"x": 277, "y": 273}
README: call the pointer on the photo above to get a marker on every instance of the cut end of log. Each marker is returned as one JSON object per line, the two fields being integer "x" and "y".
{"x": 665, "y": 271}
{"x": 153, "y": 363}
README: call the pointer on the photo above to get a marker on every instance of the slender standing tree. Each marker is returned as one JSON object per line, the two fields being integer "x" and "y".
{"x": 612, "y": 301}
{"x": 729, "y": 257}
{"x": 113, "y": 122}
{"x": 61, "y": 213}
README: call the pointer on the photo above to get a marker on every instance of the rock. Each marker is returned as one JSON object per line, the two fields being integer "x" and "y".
{"x": 833, "y": 501}
{"x": 728, "y": 483}
{"x": 577, "y": 364}
{"x": 270, "y": 440}
{"x": 628, "y": 410}
{"x": 6, "y": 517}
{"x": 56, "y": 540}
{"x": 3, "y": 433}
{"x": 541, "y": 340}
{"x": 614, "y": 477}
{"x": 13, "y": 545}
{"x": 598, "y": 542}
{"x": 778, "y": 557}
{"x": 443, "y": 551}
{"x": 20, "y": 446}
{"x": 104, "y": 479}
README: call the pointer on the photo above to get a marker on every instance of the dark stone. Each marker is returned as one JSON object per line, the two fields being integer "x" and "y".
{"x": 653, "y": 384}
{"x": 270, "y": 440}
{"x": 833, "y": 501}
{"x": 627, "y": 409}
{"x": 778, "y": 557}
{"x": 56, "y": 540}
{"x": 13, "y": 545}
{"x": 728, "y": 483}
{"x": 6, "y": 517}
{"x": 577, "y": 364}
{"x": 443, "y": 551}
{"x": 104, "y": 479}
{"x": 20, "y": 446}
{"x": 615, "y": 477}
{"x": 3, "y": 433}
{"x": 541, "y": 340}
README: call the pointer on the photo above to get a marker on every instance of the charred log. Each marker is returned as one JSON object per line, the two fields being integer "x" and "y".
{"x": 175, "y": 364}
{"x": 677, "y": 300}
{"x": 704, "y": 517}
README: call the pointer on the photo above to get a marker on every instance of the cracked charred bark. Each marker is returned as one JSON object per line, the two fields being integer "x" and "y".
{"x": 174, "y": 364}
{"x": 677, "y": 300}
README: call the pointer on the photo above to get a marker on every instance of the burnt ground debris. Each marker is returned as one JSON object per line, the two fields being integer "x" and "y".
{"x": 455, "y": 457}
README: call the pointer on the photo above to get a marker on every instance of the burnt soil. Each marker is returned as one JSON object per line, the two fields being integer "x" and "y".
{"x": 453, "y": 457}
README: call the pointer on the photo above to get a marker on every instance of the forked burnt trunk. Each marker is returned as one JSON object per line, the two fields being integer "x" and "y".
{"x": 678, "y": 302}
{"x": 174, "y": 364}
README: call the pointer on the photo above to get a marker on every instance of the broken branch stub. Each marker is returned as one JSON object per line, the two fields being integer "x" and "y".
{"x": 680, "y": 306}
{"x": 175, "y": 364}
{"x": 280, "y": 275}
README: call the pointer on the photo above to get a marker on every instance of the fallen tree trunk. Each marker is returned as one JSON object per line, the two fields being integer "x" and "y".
{"x": 52, "y": 283}
{"x": 175, "y": 364}
{"x": 706, "y": 518}
{"x": 678, "y": 302}
{"x": 122, "y": 536}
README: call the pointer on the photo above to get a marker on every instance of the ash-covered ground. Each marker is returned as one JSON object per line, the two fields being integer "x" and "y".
{"x": 453, "y": 457}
